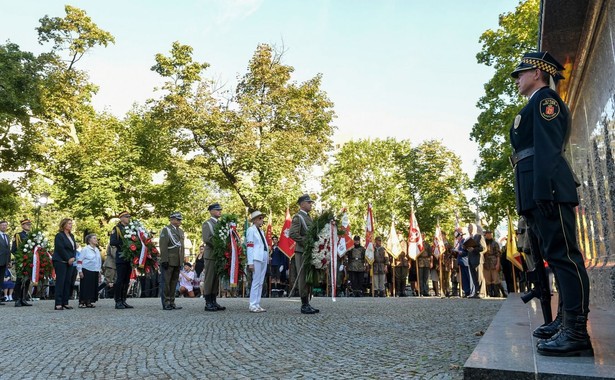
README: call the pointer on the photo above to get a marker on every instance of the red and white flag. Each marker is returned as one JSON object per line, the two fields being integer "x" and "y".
{"x": 286, "y": 244}
{"x": 369, "y": 235}
{"x": 439, "y": 247}
{"x": 333, "y": 261}
{"x": 415, "y": 240}
{"x": 234, "y": 269}
{"x": 345, "y": 241}
{"x": 36, "y": 262}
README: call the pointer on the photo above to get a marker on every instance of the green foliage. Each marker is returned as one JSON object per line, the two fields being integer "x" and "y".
{"x": 395, "y": 177}
{"x": 9, "y": 201}
{"x": 502, "y": 49}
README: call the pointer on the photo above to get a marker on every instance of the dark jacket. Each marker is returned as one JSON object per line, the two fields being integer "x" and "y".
{"x": 543, "y": 124}
{"x": 117, "y": 240}
{"x": 63, "y": 248}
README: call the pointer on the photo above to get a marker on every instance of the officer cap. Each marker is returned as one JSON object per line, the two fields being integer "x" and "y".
{"x": 25, "y": 221}
{"x": 176, "y": 215}
{"x": 124, "y": 213}
{"x": 539, "y": 60}
{"x": 214, "y": 206}
{"x": 304, "y": 198}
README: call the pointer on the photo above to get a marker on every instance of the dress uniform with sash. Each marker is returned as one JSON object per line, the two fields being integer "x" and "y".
{"x": 20, "y": 294}
{"x": 545, "y": 190}
{"x": 211, "y": 278}
{"x": 171, "y": 258}
{"x": 298, "y": 230}
{"x": 123, "y": 267}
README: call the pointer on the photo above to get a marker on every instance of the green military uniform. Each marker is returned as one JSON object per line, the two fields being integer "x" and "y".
{"x": 491, "y": 267}
{"x": 211, "y": 280}
{"x": 171, "y": 252}
{"x": 381, "y": 260}
{"x": 401, "y": 273}
{"x": 355, "y": 265}
{"x": 447, "y": 266}
{"x": 424, "y": 261}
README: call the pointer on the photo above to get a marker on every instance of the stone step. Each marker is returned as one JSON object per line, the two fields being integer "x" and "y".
{"x": 508, "y": 349}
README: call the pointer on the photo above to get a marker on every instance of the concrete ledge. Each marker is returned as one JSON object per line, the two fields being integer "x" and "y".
{"x": 508, "y": 349}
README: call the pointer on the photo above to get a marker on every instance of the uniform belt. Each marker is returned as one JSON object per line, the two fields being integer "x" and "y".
{"x": 521, "y": 155}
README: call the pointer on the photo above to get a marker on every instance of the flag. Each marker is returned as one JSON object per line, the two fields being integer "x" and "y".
{"x": 393, "y": 244}
{"x": 286, "y": 244}
{"x": 415, "y": 240}
{"x": 269, "y": 233}
{"x": 511, "y": 246}
{"x": 439, "y": 247}
{"x": 369, "y": 235}
{"x": 345, "y": 242}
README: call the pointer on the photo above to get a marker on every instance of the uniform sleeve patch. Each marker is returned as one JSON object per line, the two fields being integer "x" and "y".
{"x": 549, "y": 109}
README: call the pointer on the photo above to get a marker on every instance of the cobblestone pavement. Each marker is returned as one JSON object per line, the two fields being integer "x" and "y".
{"x": 365, "y": 338}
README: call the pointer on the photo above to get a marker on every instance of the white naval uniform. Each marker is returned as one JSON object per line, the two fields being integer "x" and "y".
{"x": 258, "y": 255}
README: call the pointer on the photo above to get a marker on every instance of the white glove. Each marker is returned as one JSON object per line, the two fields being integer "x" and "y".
{"x": 341, "y": 268}
{"x": 281, "y": 268}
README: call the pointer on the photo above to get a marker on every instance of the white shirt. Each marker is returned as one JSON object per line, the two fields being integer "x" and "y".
{"x": 186, "y": 283}
{"x": 257, "y": 250}
{"x": 89, "y": 258}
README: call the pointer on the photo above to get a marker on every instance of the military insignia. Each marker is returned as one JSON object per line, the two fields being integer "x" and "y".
{"x": 549, "y": 109}
{"x": 517, "y": 121}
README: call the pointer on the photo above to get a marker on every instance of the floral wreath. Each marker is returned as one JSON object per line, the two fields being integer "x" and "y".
{"x": 222, "y": 246}
{"x": 32, "y": 254}
{"x": 138, "y": 248}
{"x": 317, "y": 253}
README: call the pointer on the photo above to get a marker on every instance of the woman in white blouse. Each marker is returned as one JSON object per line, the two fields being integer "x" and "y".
{"x": 89, "y": 266}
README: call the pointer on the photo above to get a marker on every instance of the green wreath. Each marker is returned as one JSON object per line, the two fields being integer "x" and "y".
{"x": 312, "y": 272}
{"x": 23, "y": 259}
{"x": 222, "y": 247}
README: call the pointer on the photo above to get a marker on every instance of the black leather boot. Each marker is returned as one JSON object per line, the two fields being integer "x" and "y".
{"x": 305, "y": 306}
{"x": 215, "y": 303}
{"x": 572, "y": 339}
{"x": 209, "y": 306}
{"x": 502, "y": 290}
{"x": 119, "y": 305}
{"x": 548, "y": 330}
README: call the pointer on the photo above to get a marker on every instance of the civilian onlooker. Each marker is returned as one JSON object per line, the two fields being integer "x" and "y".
{"x": 9, "y": 282}
{"x": 65, "y": 250}
{"x": 88, "y": 266}
{"x": 279, "y": 265}
{"x": 186, "y": 276}
{"x": 5, "y": 252}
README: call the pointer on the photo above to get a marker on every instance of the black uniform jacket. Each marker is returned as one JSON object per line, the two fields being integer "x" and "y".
{"x": 544, "y": 125}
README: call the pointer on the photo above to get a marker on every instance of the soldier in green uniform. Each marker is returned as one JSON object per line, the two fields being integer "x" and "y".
{"x": 491, "y": 265}
{"x": 381, "y": 260}
{"x": 545, "y": 190}
{"x": 402, "y": 266}
{"x": 123, "y": 267}
{"x": 298, "y": 229}
{"x": 447, "y": 266}
{"x": 211, "y": 279}
{"x": 171, "y": 257}
{"x": 425, "y": 263}
{"x": 355, "y": 265}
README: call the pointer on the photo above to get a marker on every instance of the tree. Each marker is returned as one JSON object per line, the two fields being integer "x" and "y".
{"x": 395, "y": 177}
{"x": 259, "y": 141}
{"x": 502, "y": 49}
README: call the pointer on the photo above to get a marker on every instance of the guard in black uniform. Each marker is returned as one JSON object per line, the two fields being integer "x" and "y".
{"x": 546, "y": 195}
{"x": 22, "y": 285}
{"x": 123, "y": 267}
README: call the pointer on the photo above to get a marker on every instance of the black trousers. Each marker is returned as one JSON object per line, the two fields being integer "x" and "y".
{"x": 558, "y": 238}
{"x": 356, "y": 281}
{"x": 64, "y": 276}
{"x": 122, "y": 281}
{"x": 474, "y": 278}
{"x": 2, "y": 270}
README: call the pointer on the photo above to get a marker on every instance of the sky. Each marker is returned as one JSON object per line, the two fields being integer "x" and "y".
{"x": 393, "y": 68}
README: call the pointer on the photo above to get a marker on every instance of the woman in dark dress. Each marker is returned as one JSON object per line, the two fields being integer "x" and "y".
{"x": 65, "y": 250}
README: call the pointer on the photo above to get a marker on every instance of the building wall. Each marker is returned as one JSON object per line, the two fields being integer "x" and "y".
{"x": 592, "y": 152}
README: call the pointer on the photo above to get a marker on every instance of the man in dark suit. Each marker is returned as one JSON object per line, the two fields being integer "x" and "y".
{"x": 545, "y": 189}
{"x": 20, "y": 294}
{"x": 5, "y": 252}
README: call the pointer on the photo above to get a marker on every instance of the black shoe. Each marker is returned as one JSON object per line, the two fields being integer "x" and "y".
{"x": 218, "y": 306}
{"x": 167, "y": 307}
{"x": 313, "y": 308}
{"x": 24, "y": 303}
{"x": 571, "y": 340}
{"x": 127, "y": 306}
{"x": 18, "y": 303}
{"x": 119, "y": 306}
{"x": 176, "y": 307}
{"x": 210, "y": 307}
{"x": 546, "y": 331}
{"x": 307, "y": 309}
